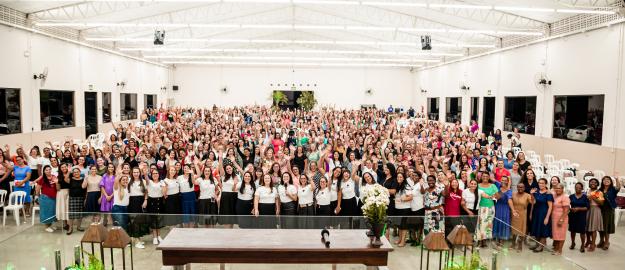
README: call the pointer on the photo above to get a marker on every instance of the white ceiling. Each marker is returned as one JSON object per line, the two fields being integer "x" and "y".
{"x": 249, "y": 12}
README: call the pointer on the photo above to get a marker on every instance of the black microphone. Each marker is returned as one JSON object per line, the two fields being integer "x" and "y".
{"x": 325, "y": 237}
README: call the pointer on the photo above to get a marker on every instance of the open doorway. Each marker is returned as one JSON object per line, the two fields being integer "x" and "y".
{"x": 488, "y": 123}
{"x": 91, "y": 113}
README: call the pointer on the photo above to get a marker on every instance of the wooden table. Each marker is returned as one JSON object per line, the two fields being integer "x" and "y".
{"x": 184, "y": 246}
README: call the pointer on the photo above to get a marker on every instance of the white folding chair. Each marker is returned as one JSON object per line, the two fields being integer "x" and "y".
{"x": 569, "y": 183}
{"x": 549, "y": 159}
{"x": 16, "y": 203}
{"x": 11, "y": 185}
{"x": 3, "y": 196}
{"x": 516, "y": 151}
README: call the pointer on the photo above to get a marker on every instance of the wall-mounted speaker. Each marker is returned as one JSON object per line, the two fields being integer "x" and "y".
{"x": 174, "y": 87}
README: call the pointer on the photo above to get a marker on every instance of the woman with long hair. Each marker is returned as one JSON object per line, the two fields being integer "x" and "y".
{"x": 594, "y": 219}
{"x": 541, "y": 214}
{"x": 156, "y": 191}
{"x": 46, "y": 187}
{"x": 287, "y": 193}
{"x": 305, "y": 195}
{"x": 62, "y": 195}
{"x": 94, "y": 193}
{"x": 577, "y": 215}
{"x": 609, "y": 190}
{"x": 138, "y": 202}
{"x": 208, "y": 206}
{"x": 172, "y": 198}
{"x": 530, "y": 183}
{"x": 245, "y": 200}
{"x": 121, "y": 199}
{"x": 403, "y": 200}
{"x": 559, "y": 217}
{"x": 187, "y": 196}
{"x": 515, "y": 176}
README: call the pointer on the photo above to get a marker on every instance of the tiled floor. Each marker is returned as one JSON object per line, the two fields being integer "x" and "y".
{"x": 27, "y": 247}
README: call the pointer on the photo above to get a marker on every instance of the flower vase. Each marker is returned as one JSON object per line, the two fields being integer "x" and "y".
{"x": 376, "y": 230}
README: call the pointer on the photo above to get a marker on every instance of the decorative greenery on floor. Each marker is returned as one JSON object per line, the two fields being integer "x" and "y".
{"x": 94, "y": 264}
{"x": 460, "y": 263}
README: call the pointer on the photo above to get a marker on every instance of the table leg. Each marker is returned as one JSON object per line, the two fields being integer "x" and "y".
{"x": 377, "y": 268}
{"x": 179, "y": 267}
{"x": 334, "y": 267}
{"x": 222, "y": 266}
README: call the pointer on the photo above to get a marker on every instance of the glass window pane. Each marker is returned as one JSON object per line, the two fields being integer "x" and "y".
{"x": 453, "y": 111}
{"x": 57, "y": 109}
{"x": 520, "y": 114}
{"x": 579, "y": 118}
{"x": 128, "y": 106}
{"x": 10, "y": 116}
{"x": 433, "y": 109}
{"x": 106, "y": 107}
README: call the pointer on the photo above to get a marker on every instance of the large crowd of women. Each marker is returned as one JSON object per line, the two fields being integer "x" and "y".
{"x": 261, "y": 167}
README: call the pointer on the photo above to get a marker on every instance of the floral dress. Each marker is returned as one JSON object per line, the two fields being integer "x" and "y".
{"x": 434, "y": 210}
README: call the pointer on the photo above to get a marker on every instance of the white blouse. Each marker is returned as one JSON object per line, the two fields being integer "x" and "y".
{"x": 135, "y": 189}
{"x": 283, "y": 191}
{"x": 266, "y": 195}
{"x": 207, "y": 189}
{"x": 248, "y": 192}
{"x": 399, "y": 203}
{"x": 304, "y": 195}
{"x": 121, "y": 201}
{"x": 348, "y": 189}
{"x": 173, "y": 187}
{"x": 334, "y": 193}
{"x": 323, "y": 196}
{"x": 228, "y": 185}
{"x": 417, "y": 198}
{"x": 184, "y": 184}
{"x": 469, "y": 198}
{"x": 155, "y": 190}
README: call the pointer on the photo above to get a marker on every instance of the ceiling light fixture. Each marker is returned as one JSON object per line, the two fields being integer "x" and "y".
{"x": 291, "y": 64}
{"x": 532, "y": 9}
{"x": 287, "y": 26}
{"x": 586, "y": 11}
{"x": 158, "y": 49}
{"x": 293, "y": 58}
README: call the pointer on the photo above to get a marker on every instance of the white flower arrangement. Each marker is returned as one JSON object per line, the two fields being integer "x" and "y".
{"x": 376, "y": 201}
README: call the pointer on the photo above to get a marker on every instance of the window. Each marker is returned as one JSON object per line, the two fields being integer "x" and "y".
{"x": 106, "y": 107}
{"x": 57, "y": 109}
{"x": 433, "y": 109}
{"x": 10, "y": 116}
{"x": 150, "y": 101}
{"x": 453, "y": 111}
{"x": 578, "y": 118}
{"x": 474, "y": 108}
{"x": 520, "y": 114}
{"x": 128, "y": 106}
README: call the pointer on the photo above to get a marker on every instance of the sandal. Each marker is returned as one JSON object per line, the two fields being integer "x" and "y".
{"x": 606, "y": 246}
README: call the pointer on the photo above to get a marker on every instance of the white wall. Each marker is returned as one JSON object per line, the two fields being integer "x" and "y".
{"x": 583, "y": 64}
{"x": 70, "y": 67}
{"x": 343, "y": 88}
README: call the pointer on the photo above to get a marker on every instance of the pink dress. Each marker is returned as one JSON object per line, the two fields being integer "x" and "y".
{"x": 560, "y": 204}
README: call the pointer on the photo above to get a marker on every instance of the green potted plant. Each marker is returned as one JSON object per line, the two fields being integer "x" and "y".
{"x": 279, "y": 98}
{"x": 461, "y": 263}
{"x": 307, "y": 100}
{"x": 94, "y": 264}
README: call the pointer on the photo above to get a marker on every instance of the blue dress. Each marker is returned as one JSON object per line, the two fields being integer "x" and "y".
{"x": 577, "y": 220}
{"x": 538, "y": 228}
{"x": 20, "y": 173}
{"x": 501, "y": 226}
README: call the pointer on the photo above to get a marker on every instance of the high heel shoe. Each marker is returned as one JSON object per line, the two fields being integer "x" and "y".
{"x": 582, "y": 250}
{"x": 69, "y": 231}
{"x": 572, "y": 247}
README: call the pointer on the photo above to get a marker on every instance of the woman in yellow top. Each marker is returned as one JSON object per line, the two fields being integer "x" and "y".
{"x": 594, "y": 220}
